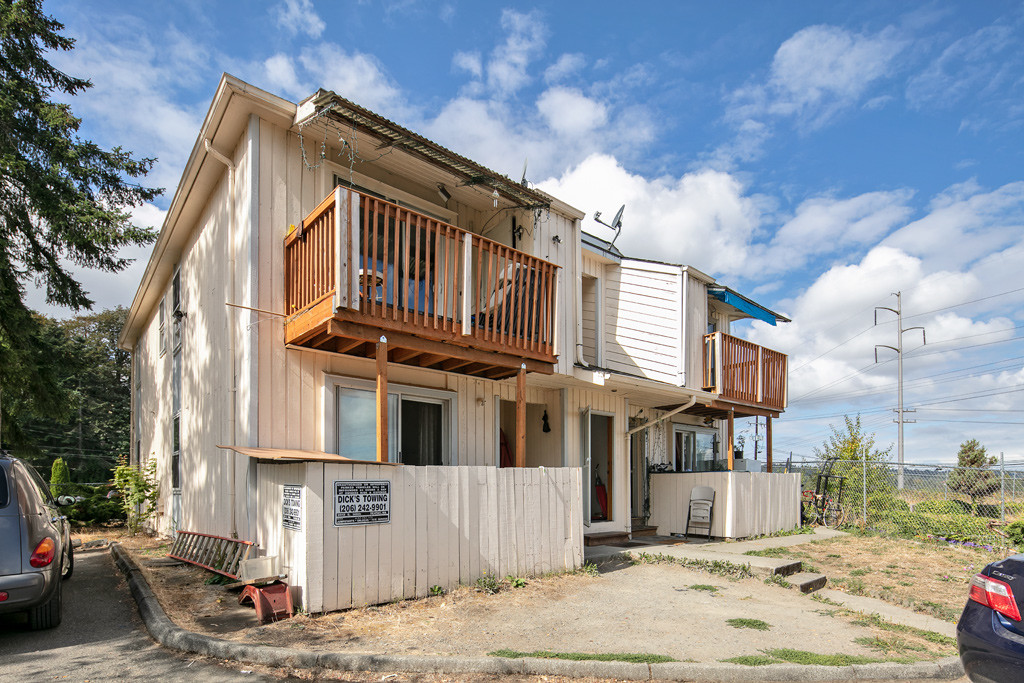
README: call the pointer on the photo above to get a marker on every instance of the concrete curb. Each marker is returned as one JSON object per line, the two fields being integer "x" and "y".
{"x": 168, "y": 634}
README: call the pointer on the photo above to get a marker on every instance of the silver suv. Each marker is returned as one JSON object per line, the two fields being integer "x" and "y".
{"x": 35, "y": 545}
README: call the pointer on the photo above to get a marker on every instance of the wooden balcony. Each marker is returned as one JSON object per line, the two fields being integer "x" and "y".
{"x": 358, "y": 268}
{"x": 741, "y": 371}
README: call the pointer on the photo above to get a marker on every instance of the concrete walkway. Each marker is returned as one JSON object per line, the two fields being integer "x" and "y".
{"x": 733, "y": 551}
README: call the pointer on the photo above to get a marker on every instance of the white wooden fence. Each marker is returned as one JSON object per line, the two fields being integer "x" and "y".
{"x": 449, "y": 526}
{"x": 746, "y": 503}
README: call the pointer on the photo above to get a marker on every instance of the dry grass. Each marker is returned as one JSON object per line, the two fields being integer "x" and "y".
{"x": 928, "y": 577}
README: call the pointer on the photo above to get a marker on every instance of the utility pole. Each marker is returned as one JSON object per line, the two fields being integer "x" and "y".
{"x": 900, "y": 420}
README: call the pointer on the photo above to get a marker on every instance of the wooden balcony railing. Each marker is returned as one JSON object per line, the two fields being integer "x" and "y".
{"x": 743, "y": 371}
{"x": 404, "y": 271}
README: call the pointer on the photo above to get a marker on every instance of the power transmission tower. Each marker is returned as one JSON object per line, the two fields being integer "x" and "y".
{"x": 900, "y": 420}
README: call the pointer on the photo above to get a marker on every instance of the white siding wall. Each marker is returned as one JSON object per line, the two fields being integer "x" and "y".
{"x": 694, "y": 329}
{"x": 746, "y": 503}
{"x": 449, "y": 525}
{"x": 643, "y": 320}
{"x": 205, "y": 377}
{"x": 588, "y": 316}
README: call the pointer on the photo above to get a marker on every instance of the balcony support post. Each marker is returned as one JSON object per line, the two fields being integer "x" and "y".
{"x": 768, "y": 439}
{"x": 382, "y": 400}
{"x": 521, "y": 416}
{"x": 731, "y": 432}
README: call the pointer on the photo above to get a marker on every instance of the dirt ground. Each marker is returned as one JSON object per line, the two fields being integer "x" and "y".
{"x": 927, "y": 576}
{"x": 659, "y": 609}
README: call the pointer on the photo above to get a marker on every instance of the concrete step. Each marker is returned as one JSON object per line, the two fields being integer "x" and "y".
{"x": 644, "y": 530}
{"x": 605, "y": 538}
{"x": 807, "y": 582}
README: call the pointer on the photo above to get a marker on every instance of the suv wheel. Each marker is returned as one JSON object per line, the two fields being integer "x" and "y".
{"x": 48, "y": 614}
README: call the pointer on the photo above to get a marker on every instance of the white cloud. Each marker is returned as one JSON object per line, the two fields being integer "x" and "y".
{"x": 508, "y": 65}
{"x": 567, "y": 65}
{"x": 279, "y": 72}
{"x": 357, "y": 76}
{"x": 818, "y": 73}
{"x": 469, "y": 62}
{"x": 969, "y": 65}
{"x": 568, "y": 111}
{"x": 299, "y": 16}
{"x": 826, "y": 225}
{"x": 965, "y": 224}
{"x": 134, "y": 100}
{"x": 701, "y": 218}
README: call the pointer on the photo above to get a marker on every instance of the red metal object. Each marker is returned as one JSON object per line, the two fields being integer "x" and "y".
{"x": 272, "y": 602}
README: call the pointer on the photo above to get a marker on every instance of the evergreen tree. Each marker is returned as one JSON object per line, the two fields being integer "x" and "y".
{"x": 95, "y": 374}
{"x": 63, "y": 201}
{"x": 972, "y": 477}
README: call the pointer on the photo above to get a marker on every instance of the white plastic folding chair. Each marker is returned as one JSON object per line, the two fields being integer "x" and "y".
{"x": 701, "y": 509}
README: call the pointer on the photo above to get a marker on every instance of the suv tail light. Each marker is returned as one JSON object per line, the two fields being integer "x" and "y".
{"x": 42, "y": 556}
{"x": 995, "y": 594}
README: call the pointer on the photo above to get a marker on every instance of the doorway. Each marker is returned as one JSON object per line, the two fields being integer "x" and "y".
{"x": 639, "y": 481}
{"x": 598, "y": 502}
{"x": 543, "y": 435}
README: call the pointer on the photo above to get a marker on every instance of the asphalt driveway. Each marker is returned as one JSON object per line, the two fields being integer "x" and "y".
{"x": 100, "y": 639}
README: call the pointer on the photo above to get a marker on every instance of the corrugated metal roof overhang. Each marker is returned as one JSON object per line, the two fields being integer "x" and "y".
{"x": 298, "y": 455}
{"x": 390, "y": 133}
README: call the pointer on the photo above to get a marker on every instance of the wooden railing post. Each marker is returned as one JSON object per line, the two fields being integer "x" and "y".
{"x": 759, "y": 377}
{"x": 467, "y": 284}
{"x": 719, "y": 368}
{"x": 382, "y": 400}
{"x": 521, "y": 416}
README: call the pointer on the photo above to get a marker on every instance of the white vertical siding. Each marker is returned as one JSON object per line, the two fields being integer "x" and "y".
{"x": 746, "y": 503}
{"x": 448, "y": 526}
{"x": 695, "y": 328}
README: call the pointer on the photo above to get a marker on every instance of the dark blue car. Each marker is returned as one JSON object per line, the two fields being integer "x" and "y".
{"x": 990, "y": 632}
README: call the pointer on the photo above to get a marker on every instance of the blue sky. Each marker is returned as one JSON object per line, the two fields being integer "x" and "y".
{"x": 816, "y": 156}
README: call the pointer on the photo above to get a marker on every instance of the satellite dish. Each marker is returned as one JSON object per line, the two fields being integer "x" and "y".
{"x": 616, "y": 223}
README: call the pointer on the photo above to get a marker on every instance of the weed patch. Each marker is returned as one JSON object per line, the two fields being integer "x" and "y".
{"x": 787, "y": 655}
{"x": 755, "y": 624}
{"x": 704, "y": 587}
{"x": 770, "y": 552}
{"x": 719, "y": 567}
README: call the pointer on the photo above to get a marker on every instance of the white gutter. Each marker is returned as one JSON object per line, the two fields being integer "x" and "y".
{"x": 231, "y": 321}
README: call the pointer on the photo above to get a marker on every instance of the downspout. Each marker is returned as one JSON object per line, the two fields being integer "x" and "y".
{"x": 579, "y": 296}
{"x": 231, "y": 324}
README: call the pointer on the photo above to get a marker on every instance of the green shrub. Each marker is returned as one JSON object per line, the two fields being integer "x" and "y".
{"x": 95, "y": 508}
{"x": 910, "y": 524}
{"x": 943, "y": 507}
{"x": 60, "y": 478}
{"x": 1015, "y": 532}
{"x": 140, "y": 492}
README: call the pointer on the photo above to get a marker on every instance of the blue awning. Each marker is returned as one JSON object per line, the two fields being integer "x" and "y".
{"x": 745, "y": 305}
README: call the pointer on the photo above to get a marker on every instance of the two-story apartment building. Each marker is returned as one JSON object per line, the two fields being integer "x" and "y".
{"x": 393, "y": 368}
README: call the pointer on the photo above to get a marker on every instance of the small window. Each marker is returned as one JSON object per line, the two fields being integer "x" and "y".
{"x": 163, "y": 327}
{"x": 176, "y": 309}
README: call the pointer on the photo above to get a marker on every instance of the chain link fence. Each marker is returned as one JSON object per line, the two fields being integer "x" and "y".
{"x": 957, "y": 503}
